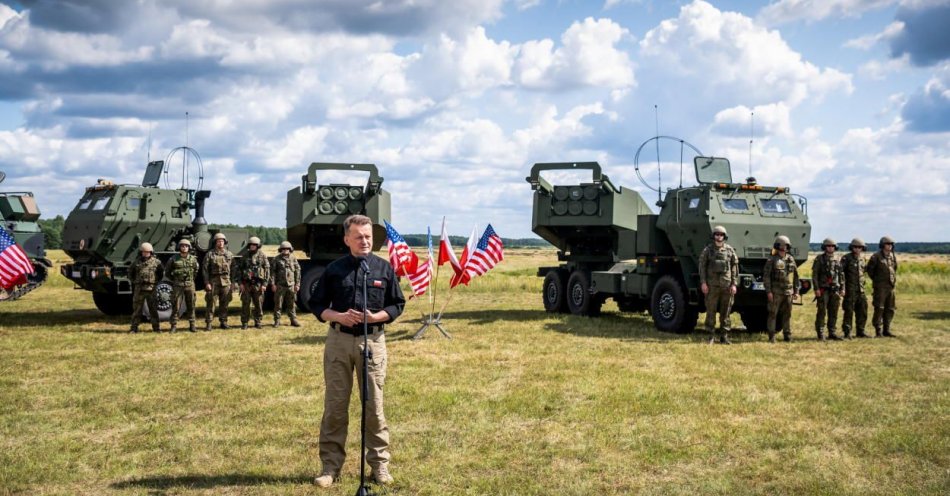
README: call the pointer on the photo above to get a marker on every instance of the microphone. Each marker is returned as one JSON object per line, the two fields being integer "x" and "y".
{"x": 364, "y": 264}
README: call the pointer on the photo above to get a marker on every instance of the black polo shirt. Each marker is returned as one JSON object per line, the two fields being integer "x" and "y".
{"x": 341, "y": 288}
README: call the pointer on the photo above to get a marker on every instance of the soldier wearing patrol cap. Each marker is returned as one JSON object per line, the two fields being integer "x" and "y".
{"x": 780, "y": 278}
{"x": 216, "y": 271}
{"x": 882, "y": 269}
{"x": 144, "y": 273}
{"x": 855, "y": 302}
{"x": 285, "y": 282}
{"x": 718, "y": 275}
{"x": 828, "y": 281}
{"x": 180, "y": 270}
{"x": 253, "y": 272}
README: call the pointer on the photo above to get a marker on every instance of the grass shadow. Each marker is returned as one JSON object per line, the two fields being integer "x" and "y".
{"x": 482, "y": 317}
{"x": 933, "y": 315}
{"x": 197, "y": 481}
{"x": 60, "y": 317}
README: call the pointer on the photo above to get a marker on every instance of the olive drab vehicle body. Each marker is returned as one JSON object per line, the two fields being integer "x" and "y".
{"x": 105, "y": 229}
{"x": 315, "y": 215}
{"x": 612, "y": 245}
{"x": 19, "y": 215}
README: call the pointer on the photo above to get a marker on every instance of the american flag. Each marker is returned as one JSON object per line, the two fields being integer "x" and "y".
{"x": 419, "y": 280}
{"x": 14, "y": 264}
{"x": 488, "y": 252}
{"x": 403, "y": 260}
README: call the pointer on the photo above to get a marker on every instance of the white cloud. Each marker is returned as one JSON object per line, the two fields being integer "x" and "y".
{"x": 866, "y": 42}
{"x": 878, "y": 70}
{"x": 783, "y": 11}
{"x": 737, "y": 57}
{"x": 588, "y": 56}
{"x": 770, "y": 120}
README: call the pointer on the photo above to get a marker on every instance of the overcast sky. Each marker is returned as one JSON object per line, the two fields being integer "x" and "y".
{"x": 455, "y": 100}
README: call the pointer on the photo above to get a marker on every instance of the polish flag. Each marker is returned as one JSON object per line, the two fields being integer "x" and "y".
{"x": 463, "y": 276}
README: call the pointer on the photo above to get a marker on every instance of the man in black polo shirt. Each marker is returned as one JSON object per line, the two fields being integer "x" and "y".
{"x": 339, "y": 300}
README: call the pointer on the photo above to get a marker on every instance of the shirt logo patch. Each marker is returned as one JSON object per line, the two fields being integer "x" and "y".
{"x": 377, "y": 283}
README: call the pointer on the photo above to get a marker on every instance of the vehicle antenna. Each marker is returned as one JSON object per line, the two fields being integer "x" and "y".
{"x": 184, "y": 158}
{"x": 751, "y": 137}
{"x": 148, "y": 153}
{"x": 659, "y": 170}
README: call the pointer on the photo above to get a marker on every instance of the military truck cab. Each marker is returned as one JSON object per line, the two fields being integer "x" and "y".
{"x": 647, "y": 261}
{"x": 19, "y": 216}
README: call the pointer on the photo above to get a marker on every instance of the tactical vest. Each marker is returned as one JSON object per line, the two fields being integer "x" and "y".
{"x": 254, "y": 268}
{"x": 853, "y": 268}
{"x": 146, "y": 272}
{"x": 286, "y": 271}
{"x": 183, "y": 269}
{"x": 719, "y": 265}
{"x": 826, "y": 272}
{"x": 782, "y": 274}
{"x": 883, "y": 268}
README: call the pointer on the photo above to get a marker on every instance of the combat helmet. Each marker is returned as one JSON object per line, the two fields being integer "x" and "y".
{"x": 857, "y": 242}
{"x": 720, "y": 229}
{"x": 184, "y": 241}
{"x": 829, "y": 242}
{"x": 254, "y": 241}
{"x": 885, "y": 240}
{"x": 285, "y": 245}
{"x": 146, "y": 247}
{"x": 782, "y": 241}
{"x": 220, "y": 236}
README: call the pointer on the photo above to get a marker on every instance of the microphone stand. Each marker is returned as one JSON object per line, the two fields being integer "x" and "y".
{"x": 363, "y": 490}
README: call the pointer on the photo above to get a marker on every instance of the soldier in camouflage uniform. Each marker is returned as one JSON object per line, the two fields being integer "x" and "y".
{"x": 882, "y": 269}
{"x": 780, "y": 278}
{"x": 216, "y": 271}
{"x": 828, "y": 280}
{"x": 285, "y": 282}
{"x": 855, "y": 302}
{"x": 181, "y": 270}
{"x": 144, "y": 273}
{"x": 254, "y": 272}
{"x": 718, "y": 275}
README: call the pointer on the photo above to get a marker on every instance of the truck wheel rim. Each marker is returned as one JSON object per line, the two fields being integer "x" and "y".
{"x": 552, "y": 292}
{"x": 163, "y": 297}
{"x": 577, "y": 295}
{"x": 667, "y": 306}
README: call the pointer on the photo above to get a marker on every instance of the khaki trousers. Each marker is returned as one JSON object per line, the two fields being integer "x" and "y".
{"x": 342, "y": 355}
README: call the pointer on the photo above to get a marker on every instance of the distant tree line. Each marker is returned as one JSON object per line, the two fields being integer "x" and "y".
{"x": 931, "y": 248}
{"x": 268, "y": 235}
{"x": 459, "y": 241}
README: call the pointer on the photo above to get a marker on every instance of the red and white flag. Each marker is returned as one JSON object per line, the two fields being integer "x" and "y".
{"x": 462, "y": 277}
{"x": 401, "y": 257}
{"x": 446, "y": 253}
{"x": 421, "y": 278}
{"x": 14, "y": 264}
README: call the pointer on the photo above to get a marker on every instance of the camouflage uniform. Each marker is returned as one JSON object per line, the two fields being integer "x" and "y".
{"x": 780, "y": 278}
{"x": 144, "y": 274}
{"x": 285, "y": 274}
{"x": 855, "y": 301}
{"x": 216, "y": 271}
{"x": 181, "y": 272}
{"x": 882, "y": 269}
{"x": 828, "y": 280}
{"x": 254, "y": 272}
{"x": 719, "y": 270}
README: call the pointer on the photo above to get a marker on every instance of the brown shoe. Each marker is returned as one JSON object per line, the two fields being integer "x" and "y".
{"x": 381, "y": 475}
{"x": 325, "y": 480}
{"x": 295, "y": 323}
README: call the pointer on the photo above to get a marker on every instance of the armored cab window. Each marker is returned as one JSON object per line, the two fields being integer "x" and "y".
{"x": 101, "y": 203}
{"x": 133, "y": 203}
{"x": 735, "y": 204}
{"x": 84, "y": 204}
{"x": 775, "y": 206}
{"x": 694, "y": 203}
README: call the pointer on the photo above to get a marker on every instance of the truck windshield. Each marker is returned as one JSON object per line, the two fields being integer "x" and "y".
{"x": 101, "y": 203}
{"x": 735, "y": 204}
{"x": 776, "y": 206}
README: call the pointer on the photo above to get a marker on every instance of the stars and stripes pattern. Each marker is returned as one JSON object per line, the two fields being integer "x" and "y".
{"x": 420, "y": 279}
{"x": 488, "y": 252}
{"x": 401, "y": 257}
{"x": 14, "y": 264}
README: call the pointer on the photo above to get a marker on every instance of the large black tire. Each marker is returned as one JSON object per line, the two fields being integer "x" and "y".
{"x": 308, "y": 286}
{"x": 553, "y": 292}
{"x": 580, "y": 301}
{"x": 755, "y": 319}
{"x": 112, "y": 303}
{"x": 163, "y": 300}
{"x": 670, "y": 310}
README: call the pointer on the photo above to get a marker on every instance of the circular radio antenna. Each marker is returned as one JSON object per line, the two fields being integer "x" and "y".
{"x": 636, "y": 159}
{"x": 189, "y": 158}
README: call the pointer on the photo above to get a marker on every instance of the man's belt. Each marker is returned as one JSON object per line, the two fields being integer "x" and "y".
{"x": 357, "y": 331}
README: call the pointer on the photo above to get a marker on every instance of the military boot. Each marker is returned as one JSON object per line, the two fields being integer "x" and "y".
{"x": 887, "y": 333}
{"x": 191, "y": 326}
{"x": 134, "y": 329}
{"x": 155, "y": 328}
{"x": 771, "y": 337}
{"x": 207, "y": 325}
{"x": 833, "y": 336}
{"x": 381, "y": 475}
{"x": 294, "y": 322}
{"x": 243, "y": 326}
{"x": 276, "y": 321}
{"x": 173, "y": 328}
{"x": 847, "y": 333}
{"x": 821, "y": 335}
{"x": 257, "y": 324}
{"x": 224, "y": 324}
{"x": 862, "y": 334}
{"x": 877, "y": 332}
{"x": 787, "y": 337}
{"x": 725, "y": 338}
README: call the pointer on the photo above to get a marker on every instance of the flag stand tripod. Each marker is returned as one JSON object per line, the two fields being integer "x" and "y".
{"x": 429, "y": 320}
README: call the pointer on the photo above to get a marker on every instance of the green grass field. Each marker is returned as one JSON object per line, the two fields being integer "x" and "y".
{"x": 520, "y": 402}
